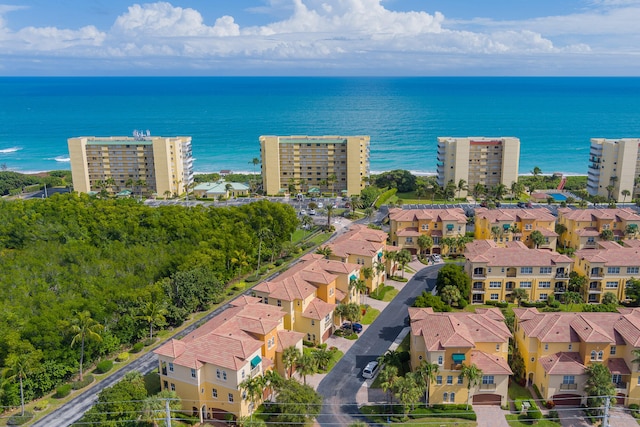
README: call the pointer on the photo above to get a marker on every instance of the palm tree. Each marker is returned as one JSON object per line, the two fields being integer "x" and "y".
{"x": 18, "y": 367}
{"x": 306, "y": 365}
{"x": 391, "y": 357}
{"x": 473, "y": 375}
{"x": 140, "y": 183}
{"x": 153, "y": 410}
{"x": 167, "y": 193}
{"x": 255, "y": 162}
{"x": 84, "y": 328}
{"x": 610, "y": 189}
{"x": 479, "y": 190}
{"x": 332, "y": 179}
{"x": 636, "y": 355}
{"x": 427, "y": 371}
{"x": 369, "y": 211}
{"x": 425, "y": 241}
{"x": 129, "y": 183}
{"x": 323, "y": 357}
{"x": 153, "y": 313}
{"x": 290, "y": 357}
{"x": 560, "y": 229}
{"x": 571, "y": 298}
{"x": 519, "y": 294}
{"x": 537, "y": 238}
{"x": 516, "y": 189}
{"x": 329, "y": 212}
{"x": 241, "y": 259}
{"x": 388, "y": 376}
{"x": 306, "y": 221}
{"x": 263, "y": 233}
{"x": 302, "y": 182}
{"x": 499, "y": 191}
{"x": 273, "y": 381}
{"x": 536, "y": 171}
{"x": 359, "y": 286}
{"x": 254, "y": 387}
{"x": 391, "y": 256}
{"x": 379, "y": 267}
{"x": 403, "y": 257}
{"x": 625, "y": 194}
{"x": 324, "y": 251}
{"x": 462, "y": 186}
{"x": 367, "y": 275}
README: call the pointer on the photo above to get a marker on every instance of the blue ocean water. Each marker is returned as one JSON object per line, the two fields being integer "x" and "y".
{"x": 553, "y": 117}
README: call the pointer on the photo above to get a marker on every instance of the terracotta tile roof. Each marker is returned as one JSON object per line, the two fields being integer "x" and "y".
{"x": 173, "y": 348}
{"x": 618, "y": 366}
{"x": 409, "y": 231}
{"x": 490, "y": 364}
{"x": 617, "y": 255}
{"x": 598, "y": 214}
{"x": 359, "y": 240}
{"x": 287, "y": 339}
{"x": 244, "y": 300}
{"x": 437, "y": 215}
{"x": 515, "y": 254}
{"x": 607, "y": 328}
{"x": 340, "y": 295}
{"x": 632, "y": 243}
{"x": 514, "y": 215}
{"x": 563, "y": 363}
{"x": 588, "y": 232}
{"x": 460, "y": 329}
{"x": 318, "y": 309}
{"x": 547, "y": 233}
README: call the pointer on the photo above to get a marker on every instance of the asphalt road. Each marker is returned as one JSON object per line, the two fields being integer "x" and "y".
{"x": 340, "y": 386}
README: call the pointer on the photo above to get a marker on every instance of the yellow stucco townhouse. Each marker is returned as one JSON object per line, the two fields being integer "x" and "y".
{"x": 497, "y": 271}
{"x": 584, "y": 227}
{"x": 558, "y": 347}
{"x": 451, "y": 340}
{"x": 206, "y": 367}
{"x": 306, "y": 293}
{"x": 506, "y": 225}
{"x": 407, "y": 225}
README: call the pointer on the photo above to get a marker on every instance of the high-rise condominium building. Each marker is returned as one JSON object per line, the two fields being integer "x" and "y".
{"x": 326, "y": 163}
{"x": 155, "y": 164}
{"x": 478, "y": 160}
{"x": 613, "y": 167}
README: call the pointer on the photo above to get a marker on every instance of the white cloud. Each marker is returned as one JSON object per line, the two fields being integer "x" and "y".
{"x": 342, "y": 33}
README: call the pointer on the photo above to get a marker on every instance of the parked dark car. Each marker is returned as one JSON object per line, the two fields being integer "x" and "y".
{"x": 357, "y": 327}
{"x": 521, "y": 204}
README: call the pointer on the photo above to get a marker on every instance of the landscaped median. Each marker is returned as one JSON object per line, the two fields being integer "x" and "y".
{"x": 420, "y": 415}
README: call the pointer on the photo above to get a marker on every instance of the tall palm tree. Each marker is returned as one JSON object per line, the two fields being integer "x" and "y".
{"x": 392, "y": 257}
{"x": 263, "y": 233}
{"x": 306, "y": 365}
{"x": 84, "y": 328}
{"x": 290, "y": 357}
{"x": 329, "y": 212}
{"x": 536, "y": 171}
{"x": 153, "y": 313}
{"x": 479, "y": 190}
{"x": 625, "y": 194}
{"x": 240, "y": 259}
{"x": 425, "y": 242}
{"x": 403, "y": 257}
{"x": 499, "y": 191}
{"x": 462, "y": 186}
{"x": 153, "y": 410}
{"x": 255, "y": 162}
{"x": 141, "y": 183}
{"x": 322, "y": 357}
{"x": 273, "y": 381}
{"x": 332, "y": 179}
{"x": 254, "y": 387}
{"x": 359, "y": 286}
{"x": 473, "y": 375}
{"x": 19, "y": 367}
{"x": 388, "y": 376}
{"x": 391, "y": 357}
{"x": 427, "y": 371}
{"x": 325, "y": 251}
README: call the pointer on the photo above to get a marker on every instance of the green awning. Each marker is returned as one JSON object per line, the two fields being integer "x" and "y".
{"x": 314, "y": 190}
{"x": 449, "y": 226}
{"x": 506, "y": 226}
{"x": 458, "y": 357}
{"x": 353, "y": 277}
{"x": 255, "y": 361}
{"x": 633, "y": 225}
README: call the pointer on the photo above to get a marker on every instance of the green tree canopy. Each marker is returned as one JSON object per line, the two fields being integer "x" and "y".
{"x": 401, "y": 179}
{"x": 452, "y": 274}
{"x": 296, "y": 404}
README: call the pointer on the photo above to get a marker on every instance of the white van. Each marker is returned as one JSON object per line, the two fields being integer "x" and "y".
{"x": 370, "y": 370}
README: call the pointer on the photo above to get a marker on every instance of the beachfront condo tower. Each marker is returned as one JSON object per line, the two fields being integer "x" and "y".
{"x": 144, "y": 163}
{"x": 335, "y": 164}
{"x": 478, "y": 160}
{"x": 613, "y": 167}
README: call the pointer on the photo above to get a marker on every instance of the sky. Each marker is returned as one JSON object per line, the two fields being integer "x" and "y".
{"x": 320, "y": 38}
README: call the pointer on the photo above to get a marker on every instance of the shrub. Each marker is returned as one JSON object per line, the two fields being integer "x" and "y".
{"x": 149, "y": 341}
{"x": 106, "y": 365}
{"x": 18, "y": 420}
{"x": 278, "y": 262}
{"x": 499, "y": 304}
{"x": 252, "y": 278}
{"x": 122, "y": 357}
{"x": 77, "y": 385}
{"x": 308, "y": 245}
{"x": 534, "y": 414}
{"x": 553, "y": 415}
{"x": 550, "y": 404}
{"x": 62, "y": 391}
{"x": 41, "y": 405}
{"x": 308, "y": 343}
{"x": 137, "y": 348}
{"x": 462, "y": 303}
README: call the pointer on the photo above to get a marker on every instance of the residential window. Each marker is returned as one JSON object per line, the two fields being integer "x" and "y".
{"x": 218, "y": 373}
{"x": 570, "y": 347}
{"x": 440, "y": 360}
{"x": 600, "y": 355}
{"x": 478, "y": 271}
{"x": 528, "y": 227}
{"x": 279, "y": 303}
{"x": 313, "y": 322}
{"x": 449, "y": 379}
{"x": 497, "y": 347}
{"x": 544, "y": 284}
{"x": 612, "y": 350}
{"x": 525, "y": 284}
{"x": 445, "y": 396}
{"x": 633, "y": 270}
{"x": 494, "y": 297}
{"x": 487, "y": 379}
{"x": 611, "y": 285}
{"x": 173, "y": 387}
{"x": 568, "y": 379}
{"x": 165, "y": 385}
{"x": 242, "y": 372}
{"x": 452, "y": 397}
{"x": 327, "y": 318}
{"x": 460, "y": 379}
{"x": 193, "y": 373}
{"x": 214, "y": 393}
{"x": 409, "y": 239}
{"x": 266, "y": 300}
{"x": 613, "y": 270}
{"x": 425, "y": 227}
{"x": 544, "y": 297}
{"x": 546, "y": 347}
{"x": 495, "y": 284}
{"x": 616, "y": 378}
{"x": 526, "y": 270}
{"x": 439, "y": 380}
{"x": 590, "y": 240}
{"x": 545, "y": 270}
{"x": 171, "y": 366}
{"x": 230, "y": 397}
{"x": 224, "y": 375}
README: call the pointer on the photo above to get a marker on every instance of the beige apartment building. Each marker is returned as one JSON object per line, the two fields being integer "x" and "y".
{"x": 452, "y": 340}
{"x": 328, "y": 163}
{"x": 478, "y": 160}
{"x": 496, "y": 271}
{"x": 557, "y": 348}
{"x": 407, "y": 225}
{"x": 505, "y": 225}
{"x": 614, "y": 165}
{"x": 150, "y": 164}
{"x": 584, "y": 227}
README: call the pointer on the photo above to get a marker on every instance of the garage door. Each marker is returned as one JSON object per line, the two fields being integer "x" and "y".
{"x": 486, "y": 399}
{"x": 567, "y": 399}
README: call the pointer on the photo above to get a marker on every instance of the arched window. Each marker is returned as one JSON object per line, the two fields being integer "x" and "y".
{"x": 445, "y": 397}
{"x": 593, "y": 355}
{"x": 600, "y": 355}
{"x": 452, "y": 397}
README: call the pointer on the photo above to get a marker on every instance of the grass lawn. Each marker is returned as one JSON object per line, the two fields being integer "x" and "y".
{"x": 390, "y": 294}
{"x": 516, "y": 391}
{"x": 404, "y": 345}
{"x": 320, "y": 238}
{"x": 300, "y": 234}
{"x": 381, "y": 292}
{"x": 515, "y": 421}
{"x": 378, "y": 414}
{"x": 370, "y": 316}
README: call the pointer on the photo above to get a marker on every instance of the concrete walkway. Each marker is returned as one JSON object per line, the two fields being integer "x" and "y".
{"x": 490, "y": 416}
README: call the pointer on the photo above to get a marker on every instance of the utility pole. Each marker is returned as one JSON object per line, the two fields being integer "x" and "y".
{"x": 605, "y": 418}
{"x": 168, "y": 413}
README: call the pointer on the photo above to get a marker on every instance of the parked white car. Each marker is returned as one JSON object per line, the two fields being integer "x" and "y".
{"x": 370, "y": 370}
{"x": 320, "y": 205}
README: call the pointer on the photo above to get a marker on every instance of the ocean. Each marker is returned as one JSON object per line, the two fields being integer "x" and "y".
{"x": 553, "y": 117}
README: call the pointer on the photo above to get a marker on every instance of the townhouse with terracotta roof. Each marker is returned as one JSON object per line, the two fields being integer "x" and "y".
{"x": 364, "y": 247}
{"x": 407, "y": 225}
{"x": 306, "y": 293}
{"x": 558, "y": 347}
{"x": 584, "y": 226}
{"x": 206, "y": 367}
{"x": 505, "y": 225}
{"x": 496, "y": 271}
{"x": 452, "y": 340}
{"x": 608, "y": 268}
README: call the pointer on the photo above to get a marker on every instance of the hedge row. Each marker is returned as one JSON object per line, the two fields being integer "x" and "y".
{"x": 384, "y": 197}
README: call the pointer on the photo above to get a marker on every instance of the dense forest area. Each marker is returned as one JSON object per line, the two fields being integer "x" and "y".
{"x": 121, "y": 263}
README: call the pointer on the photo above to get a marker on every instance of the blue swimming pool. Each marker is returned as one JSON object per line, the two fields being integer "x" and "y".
{"x": 558, "y": 197}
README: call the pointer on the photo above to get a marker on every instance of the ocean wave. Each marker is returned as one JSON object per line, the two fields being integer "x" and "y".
{"x": 62, "y": 159}
{"x": 9, "y": 150}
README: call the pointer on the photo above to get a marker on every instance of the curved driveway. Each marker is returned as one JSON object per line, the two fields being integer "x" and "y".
{"x": 340, "y": 386}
